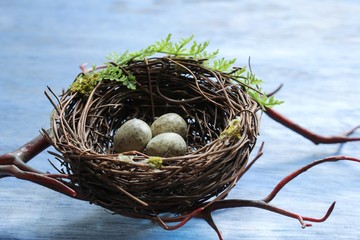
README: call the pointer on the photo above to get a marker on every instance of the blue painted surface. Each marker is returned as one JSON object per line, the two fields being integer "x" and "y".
{"x": 311, "y": 47}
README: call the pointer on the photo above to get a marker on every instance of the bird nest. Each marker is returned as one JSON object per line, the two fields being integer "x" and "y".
{"x": 222, "y": 130}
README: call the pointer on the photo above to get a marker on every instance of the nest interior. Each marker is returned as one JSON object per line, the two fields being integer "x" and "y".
{"x": 218, "y": 146}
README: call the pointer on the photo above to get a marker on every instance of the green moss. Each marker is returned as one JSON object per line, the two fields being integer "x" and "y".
{"x": 84, "y": 84}
{"x": 155, "y": 162}
{"x": 232, "y": 130}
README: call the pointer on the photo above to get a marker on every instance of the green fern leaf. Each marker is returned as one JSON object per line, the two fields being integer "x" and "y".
{"x": 185, "y": 47}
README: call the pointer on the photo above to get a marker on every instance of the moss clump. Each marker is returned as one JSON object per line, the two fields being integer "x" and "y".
{"x": 84, "y": 83}
{"x": 233, "y": 130}
{"x": 155, "y": 162}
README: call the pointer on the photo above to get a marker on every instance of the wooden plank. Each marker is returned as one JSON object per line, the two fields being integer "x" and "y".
{"x": 311, "y": 47}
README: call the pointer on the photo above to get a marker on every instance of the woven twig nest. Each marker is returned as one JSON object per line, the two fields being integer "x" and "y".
{"x": 222, "y": 131}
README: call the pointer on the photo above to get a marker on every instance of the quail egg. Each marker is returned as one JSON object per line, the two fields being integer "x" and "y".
{"x": 133, "y": 135}
{"x": 53, "y": 116}
{"x": 169, "y": 122}
{"x": 167, "y": 144}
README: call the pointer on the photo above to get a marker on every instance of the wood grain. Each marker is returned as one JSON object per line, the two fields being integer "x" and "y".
{"x": 311, "y": 47}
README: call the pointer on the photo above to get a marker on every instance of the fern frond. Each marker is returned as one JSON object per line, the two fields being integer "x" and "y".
{"x": 185, "y": 47}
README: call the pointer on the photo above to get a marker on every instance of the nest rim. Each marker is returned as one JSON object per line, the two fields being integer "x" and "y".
{"x": 129, "y": 185}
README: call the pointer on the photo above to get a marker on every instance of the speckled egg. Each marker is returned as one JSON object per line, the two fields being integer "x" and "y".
{"x": 133, "y": 135}
{"x": 53, "y": 116}
{"x": 167, "y": 144}
{"x": 169, "y": 122}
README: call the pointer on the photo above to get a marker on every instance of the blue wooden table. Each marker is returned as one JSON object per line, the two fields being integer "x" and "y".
{"x": 313, "y": 48}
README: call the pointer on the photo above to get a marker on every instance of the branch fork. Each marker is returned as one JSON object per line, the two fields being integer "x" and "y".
{"x": 14, "y": 164}
{"x": 205, "y": 211}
